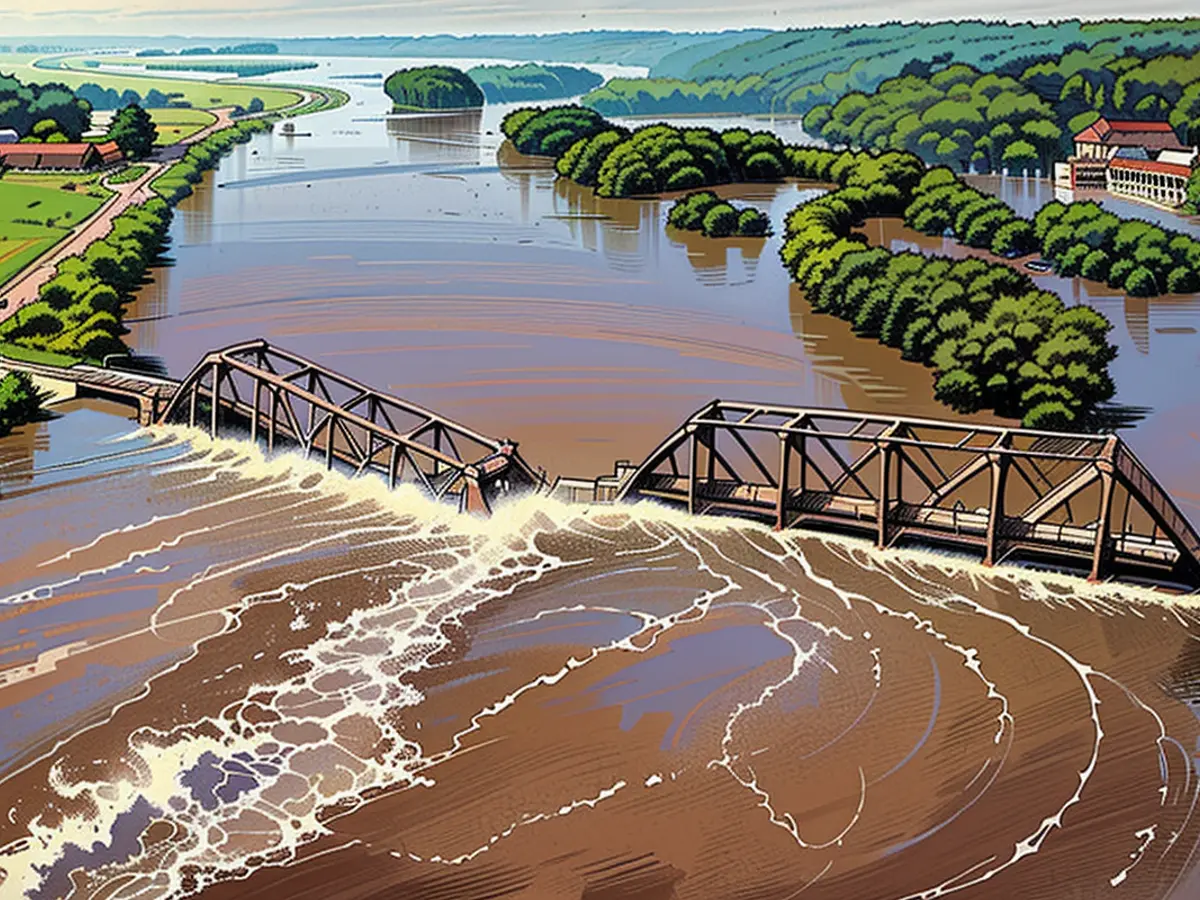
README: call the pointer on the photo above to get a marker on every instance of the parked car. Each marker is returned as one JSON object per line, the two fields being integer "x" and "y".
{"x": 1040, "y": 265}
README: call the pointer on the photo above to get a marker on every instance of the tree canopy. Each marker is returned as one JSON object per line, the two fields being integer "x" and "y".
{"x": 24, "y": 105}
{"x": 532, "y": 81}
{"x": 433, "y": 87}
{"x": 134, "y": 131}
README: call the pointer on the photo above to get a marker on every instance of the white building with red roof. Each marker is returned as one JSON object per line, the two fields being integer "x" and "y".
{"x": 1137, "y": 159}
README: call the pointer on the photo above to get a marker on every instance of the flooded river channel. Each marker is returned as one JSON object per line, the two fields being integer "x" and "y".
{"x": 235, "y": 676}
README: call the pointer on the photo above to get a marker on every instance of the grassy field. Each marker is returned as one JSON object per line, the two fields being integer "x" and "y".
{"x": 176, "y": 124}
{"x": 44, "y": 357}
{"x": 133, "y": 173}
{"x": 35, "y": 216}
{"x": 201, "y": 94}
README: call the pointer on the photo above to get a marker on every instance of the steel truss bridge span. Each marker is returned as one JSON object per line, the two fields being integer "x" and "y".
{"x": 1082, "y": 500}
{"x": 283, "y": 398}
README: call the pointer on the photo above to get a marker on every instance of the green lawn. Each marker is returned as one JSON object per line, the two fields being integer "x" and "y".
{"x": 44, "y": 357}
{"x": 201, "y": 94}
{"x": 132, "y": 173}
{"x": 34, "y": 217}
{"x": 176, "y": 124}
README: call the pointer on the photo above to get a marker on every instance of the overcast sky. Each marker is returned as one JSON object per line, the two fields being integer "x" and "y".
{"x": 283, "y": 18}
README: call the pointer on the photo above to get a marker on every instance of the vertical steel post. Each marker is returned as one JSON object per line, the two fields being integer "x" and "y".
{"x": 393, "y": 460}
{"x": 329, "y": 441}
{"x": 999, "y": 467}
{"x": 216, "y": 396}
{"x": 781, "y": 499}
{"x": 882, "y": 504}
{"x": 274, "y": 417}
{"x": 254, "y": 415}
{"x": 692, "y": 467}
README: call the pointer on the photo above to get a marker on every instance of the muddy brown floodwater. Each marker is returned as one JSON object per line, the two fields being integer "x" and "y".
{"x": 235, "y": 676}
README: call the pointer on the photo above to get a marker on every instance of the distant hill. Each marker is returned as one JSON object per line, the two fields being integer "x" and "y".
{"x": 631, "y": 48}
{"x": 803, "y": 68}
{"x": 515, "y": 84}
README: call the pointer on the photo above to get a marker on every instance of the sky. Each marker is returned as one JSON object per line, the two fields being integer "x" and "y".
{"x": 287, "y": 18}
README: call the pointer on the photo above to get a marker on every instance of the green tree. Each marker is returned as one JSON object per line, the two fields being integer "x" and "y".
{"x": 134, "y": 131}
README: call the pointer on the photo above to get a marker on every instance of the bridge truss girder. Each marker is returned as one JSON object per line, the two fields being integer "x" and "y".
{"x": 282, "y": 397}
{"x": 1002, "y": 491}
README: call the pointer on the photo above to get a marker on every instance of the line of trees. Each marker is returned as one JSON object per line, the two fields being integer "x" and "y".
{"x": 108, "y": 98}
{"x": 707, "y": 213}
{"x": 532, "y": 81}
{"x": 666, "y": 96}
{"x": 176, "y": 183}
{"x": 78, "y": 311}
{"x": 22, "y": 106}
{"x": 943, "y": 204}
{"x": 1080, "y": 239}
{"x": 993, "y": 339}
{"x": 1142, "y": 259}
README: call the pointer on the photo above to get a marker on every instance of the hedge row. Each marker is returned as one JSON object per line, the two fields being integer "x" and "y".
{"x": 19, "y": 401}
{"x": 176, "y": 183}
{"x": 707, "y": 213}
{"x": 993, "y": 339}
{"x": 944, "y": 205}
{"x": 1138, "y": 257}
{"x": 78, "y": 311}
{"x": 1082, "y": 239}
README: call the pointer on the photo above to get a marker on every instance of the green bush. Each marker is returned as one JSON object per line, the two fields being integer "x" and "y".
{"x": 1140, "y": 283}
{"x": 1095, "y": 266}
{"x": 20, "y": 401}
{"x": 720, "y": 221}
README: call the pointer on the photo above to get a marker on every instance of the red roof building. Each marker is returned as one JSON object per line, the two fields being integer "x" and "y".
{"x": 110, "y": 153}
{"x": 50, "y": 156}
{"x": 1102, "y": 139}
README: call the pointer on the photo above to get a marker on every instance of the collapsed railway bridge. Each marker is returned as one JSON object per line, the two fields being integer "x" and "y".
{"x": 1007, "y": 494}
{"x": 1083, "y": 501}
{"x": 285, "y": 399}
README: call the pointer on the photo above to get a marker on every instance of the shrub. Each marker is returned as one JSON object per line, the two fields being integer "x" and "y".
{"x": 720, "y": 221}
{"x": 1140, "y": 283}
{"x": 752, "y": 223}
{"x": 20, "y": 401}
{"x": 1095, "y": 266}
{"x": 1182, "y": 280}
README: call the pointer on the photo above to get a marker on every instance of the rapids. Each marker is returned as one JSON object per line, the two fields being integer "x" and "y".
{"x": 350, "y": 690}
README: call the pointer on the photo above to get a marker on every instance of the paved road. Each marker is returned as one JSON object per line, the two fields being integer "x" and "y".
{"x": 24, "y": 288}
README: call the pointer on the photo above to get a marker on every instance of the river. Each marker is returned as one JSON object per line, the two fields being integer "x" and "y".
{"x": 247, "y": 677}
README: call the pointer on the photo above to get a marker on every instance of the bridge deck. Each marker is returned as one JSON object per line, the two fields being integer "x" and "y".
{"x": 1004, "y": 492}
{"x": 149, "y": 393}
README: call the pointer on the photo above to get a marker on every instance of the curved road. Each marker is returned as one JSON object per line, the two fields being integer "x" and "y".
{"x": 25, "y": 286}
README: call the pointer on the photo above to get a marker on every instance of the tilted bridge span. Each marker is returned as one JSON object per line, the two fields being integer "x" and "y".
{"x": 283, "y": 398}
{"x": 1004, "y": 494}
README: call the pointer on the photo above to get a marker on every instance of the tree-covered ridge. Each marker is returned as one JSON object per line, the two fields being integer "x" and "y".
{"x": 433, "y": 87}
{"x": 516, "y": 84}
{"x": 707, "y": 213}
{"x": 961, "y": 117}
{"x": 22, "y": 106}
{"x": 993, "y": 339}
{"x": 800, "y": 69}
{"x": 665, "y": 96}
{"x": 958, "y": 116}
